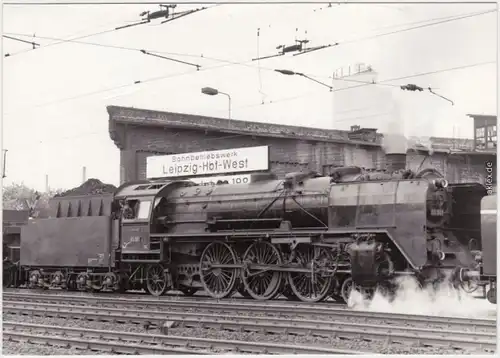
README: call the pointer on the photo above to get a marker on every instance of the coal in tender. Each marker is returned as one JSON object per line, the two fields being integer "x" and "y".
{"x": 90, "y": 187}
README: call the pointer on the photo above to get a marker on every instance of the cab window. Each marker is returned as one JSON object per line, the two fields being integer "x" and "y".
{"x": 144, "y": 208}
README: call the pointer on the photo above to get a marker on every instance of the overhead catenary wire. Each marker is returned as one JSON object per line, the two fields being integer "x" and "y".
{"x": 364, "y": 38}
{"x": 228, "y": 62}
{"x": 72, "y": 38}
{"x": 246, "y": 63}
{"x": 437, "y": 21}
{"x": 298, "y": 97}
{"x": 60, "y": 41}
{"x": 306, "y": 95}
{"x": 88, "y": 94}
{"x": 159, "y": 78}
{"x": 34, "y": 44}
{"x": 425, "y": 20}
{"x": 375, "y": 83}
{"x": 137, "y": 82}
{"x": 171, "y": 59}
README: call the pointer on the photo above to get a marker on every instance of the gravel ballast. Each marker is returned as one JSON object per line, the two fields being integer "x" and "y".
{"x": 327, "y": 342}
{"x": 163, "y": 307}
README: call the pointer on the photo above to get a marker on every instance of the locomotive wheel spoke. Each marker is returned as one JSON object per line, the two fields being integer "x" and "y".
{"x": 262, "y": 284}
{"x": 218, "y": 282}
{"x": 346, "y": 289}
{"x": 469, "y": 286}
{"x": 156, "y": 280}
{"x": 313, "y": 286}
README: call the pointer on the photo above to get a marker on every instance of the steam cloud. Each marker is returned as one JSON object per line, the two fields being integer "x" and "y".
{"x": 411, "y": 299}
{"x": 394, "y": 140}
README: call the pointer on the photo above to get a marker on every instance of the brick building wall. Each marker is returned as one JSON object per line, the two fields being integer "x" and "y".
{"x": 142, "y": 133}
{"x": 299, "y": 149}
{"x": 286, "y": 155}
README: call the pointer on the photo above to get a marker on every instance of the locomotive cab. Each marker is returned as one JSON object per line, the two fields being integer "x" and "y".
{"x": 135, "y": 218}
{"x": 141, "y": 216}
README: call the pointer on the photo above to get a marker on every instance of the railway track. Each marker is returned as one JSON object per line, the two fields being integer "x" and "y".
{"x": 332, "y": 313}
{"x": 390, "y": 334}
{"x": 171, "y": 295}
{"x": 137, "y": 343}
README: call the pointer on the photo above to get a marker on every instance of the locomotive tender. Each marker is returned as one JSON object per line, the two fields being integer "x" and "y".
{"x": 488, "y": 269}
{"x": 307, "y": 237}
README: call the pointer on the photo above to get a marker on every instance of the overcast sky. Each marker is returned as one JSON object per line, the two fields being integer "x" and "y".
{"x": 55, "y": 98}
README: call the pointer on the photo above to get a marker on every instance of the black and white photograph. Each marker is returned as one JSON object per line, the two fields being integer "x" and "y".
{"x": 249, "y": 177}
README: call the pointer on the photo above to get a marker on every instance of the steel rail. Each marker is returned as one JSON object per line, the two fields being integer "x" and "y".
{"x": 112, "y": 347}
{"x": 186, "y": 343}
{"x": 255, "y": 307}
{"x": 171, "y": 295}
{"x": 390, "y": 334}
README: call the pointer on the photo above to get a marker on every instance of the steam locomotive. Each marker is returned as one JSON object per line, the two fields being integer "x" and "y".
{"x": 307, "y": 237}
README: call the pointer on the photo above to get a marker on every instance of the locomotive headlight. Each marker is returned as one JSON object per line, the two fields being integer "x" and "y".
{"x": 440, "y": 183}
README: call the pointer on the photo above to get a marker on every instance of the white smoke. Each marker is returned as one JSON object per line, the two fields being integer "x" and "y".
{"x": 394, "y": 140}
{"x": 394, "y": 143}
{"x": 411, "y": 299}
{"x": 421, "y": 141}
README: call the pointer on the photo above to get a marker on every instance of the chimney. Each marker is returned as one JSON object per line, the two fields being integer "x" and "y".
{"x": 395, "y": 161}
{"x": 395, "y": 145}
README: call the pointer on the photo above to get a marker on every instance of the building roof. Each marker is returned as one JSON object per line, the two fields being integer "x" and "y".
{"x": 147, "y": 117}
{"x": 488, "y": 117}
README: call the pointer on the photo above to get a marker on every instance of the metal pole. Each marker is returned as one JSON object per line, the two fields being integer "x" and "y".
{"x": 4, "y": 169}
{"x": 229, "y": 97}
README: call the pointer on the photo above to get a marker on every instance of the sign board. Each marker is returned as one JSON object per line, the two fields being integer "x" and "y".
{"x": 231, "y": 179}
{"x": 237, "y": 160}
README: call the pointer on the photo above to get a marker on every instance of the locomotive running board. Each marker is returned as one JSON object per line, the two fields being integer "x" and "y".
{"x": 291, "y": 240}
